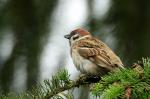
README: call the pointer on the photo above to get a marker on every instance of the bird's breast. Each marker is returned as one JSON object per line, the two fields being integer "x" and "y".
{"x": 84, "y": 65}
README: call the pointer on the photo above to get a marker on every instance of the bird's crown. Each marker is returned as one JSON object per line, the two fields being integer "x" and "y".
{"x": 80, "y": 31}
{"x": 77, "y": 33}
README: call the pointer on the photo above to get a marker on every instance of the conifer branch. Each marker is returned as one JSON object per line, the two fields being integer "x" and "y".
{"x": 72, "y": 84}
{"x": 127, "y": 83}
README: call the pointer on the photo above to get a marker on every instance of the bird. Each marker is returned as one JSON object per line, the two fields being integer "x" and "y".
{"x": 90, "y": 55}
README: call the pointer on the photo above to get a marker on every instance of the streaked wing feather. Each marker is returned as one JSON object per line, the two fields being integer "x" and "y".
{"x": 99, "y": 53}
{"x": 88, "y": 52}
{"x": 96, "y": 55}
{"x": 95, "y": 51}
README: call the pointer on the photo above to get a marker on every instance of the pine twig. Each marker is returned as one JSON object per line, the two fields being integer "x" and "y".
{"x": 73, "y": 84}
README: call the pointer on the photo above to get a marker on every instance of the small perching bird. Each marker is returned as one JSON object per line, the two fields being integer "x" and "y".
{"x": 90, "y": 55}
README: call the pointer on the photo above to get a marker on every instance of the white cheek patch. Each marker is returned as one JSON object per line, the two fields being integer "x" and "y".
{"x": 71, "y": 41}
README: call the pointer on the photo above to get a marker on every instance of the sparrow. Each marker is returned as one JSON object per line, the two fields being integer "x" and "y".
{"x": 90, "y": 55}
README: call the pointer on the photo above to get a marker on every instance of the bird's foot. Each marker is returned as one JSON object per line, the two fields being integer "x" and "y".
{"x": 82, "y": 77}
{"x": 88, "y": 78}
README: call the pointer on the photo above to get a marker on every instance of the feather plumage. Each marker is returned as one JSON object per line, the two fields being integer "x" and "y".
{"x": 90, "y": 55}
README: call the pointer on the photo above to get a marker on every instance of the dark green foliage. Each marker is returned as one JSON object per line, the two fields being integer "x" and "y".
{"x": 40, "y": 91}
{"x": 114, "y": 84}
{"x": 146, "y": 68}
{"x": 60, "y": 80}
{"x": 111, "y": 86}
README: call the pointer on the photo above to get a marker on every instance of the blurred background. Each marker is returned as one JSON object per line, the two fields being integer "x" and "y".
{"x": 32, "y": 46}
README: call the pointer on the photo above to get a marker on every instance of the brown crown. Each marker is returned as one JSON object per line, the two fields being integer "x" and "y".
{"x": 80, "y": 31}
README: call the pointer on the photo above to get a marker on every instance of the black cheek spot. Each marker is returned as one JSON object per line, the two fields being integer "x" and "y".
{"x": 74, "y": 38}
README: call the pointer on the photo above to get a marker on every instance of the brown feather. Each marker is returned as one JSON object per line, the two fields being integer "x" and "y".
{"x": 98, "y": 52}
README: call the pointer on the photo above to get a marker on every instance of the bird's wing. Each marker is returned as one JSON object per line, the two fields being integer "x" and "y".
{"x": 99, "y": 53}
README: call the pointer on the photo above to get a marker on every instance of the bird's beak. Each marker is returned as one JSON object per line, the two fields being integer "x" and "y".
{"x": 68, "y": 36}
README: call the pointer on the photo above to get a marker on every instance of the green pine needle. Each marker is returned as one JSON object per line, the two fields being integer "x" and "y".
{"x": 115, "y": 83}
{"x": 111, "y": 86}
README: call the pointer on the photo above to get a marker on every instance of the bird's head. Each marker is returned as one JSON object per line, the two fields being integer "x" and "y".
{"x": 76, "y": 35}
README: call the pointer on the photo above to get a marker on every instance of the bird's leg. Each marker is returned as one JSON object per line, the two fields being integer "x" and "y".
{"x": 82, "y": 77}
